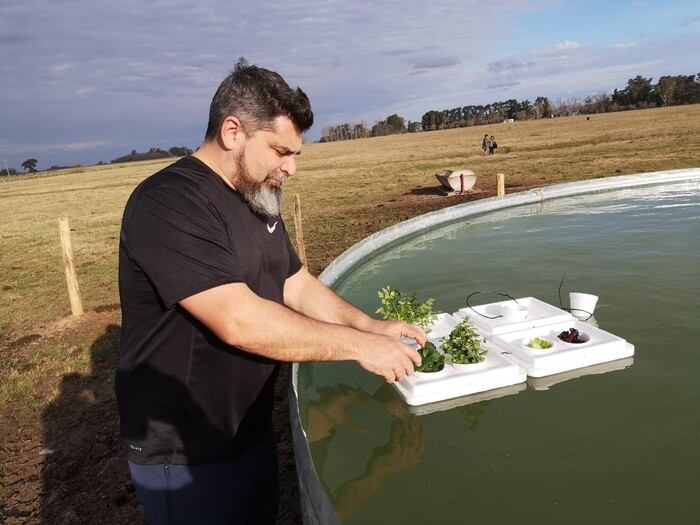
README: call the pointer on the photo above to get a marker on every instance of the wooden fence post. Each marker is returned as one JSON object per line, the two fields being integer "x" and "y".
{"x": 301, "y": 248}
{"x": 76, "y": 303}
{"x": 501, "y": 185}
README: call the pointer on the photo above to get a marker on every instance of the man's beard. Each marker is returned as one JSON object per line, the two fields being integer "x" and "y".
{"x": 259, "y": 196}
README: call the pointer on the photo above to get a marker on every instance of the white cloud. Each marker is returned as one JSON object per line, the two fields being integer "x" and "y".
{"x": 80, "y": 146}
{"x": 37, "y": 148}
{"x": 60, "y": 68}
{"x": 566, "y": 45}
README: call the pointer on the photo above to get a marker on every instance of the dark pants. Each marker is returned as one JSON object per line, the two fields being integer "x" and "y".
{"x": 241, "y": 491}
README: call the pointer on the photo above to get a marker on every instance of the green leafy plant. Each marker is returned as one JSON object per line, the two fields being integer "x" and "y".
{"x": 431, "y": 359}
{"x": 540, "y": 344}
{"x": 463, "y": 344}
{"x": 403, "y": 307}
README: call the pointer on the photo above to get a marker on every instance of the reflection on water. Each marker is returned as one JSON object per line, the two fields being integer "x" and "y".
{"x": 474, "y": 404}
{"x": 547, "y": 382}
{"x": 597, "y": 444}
{"x": 402, "y": 450}
{"x": 342, "y": 411}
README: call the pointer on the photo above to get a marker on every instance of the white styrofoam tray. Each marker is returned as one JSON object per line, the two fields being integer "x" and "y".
{"x": 460, "y": 380}
{"x": 562, "y": 357}
{"x": 547, "y": 382}
{"x": 539, "y": 314}
{"x": 449, "y": 404}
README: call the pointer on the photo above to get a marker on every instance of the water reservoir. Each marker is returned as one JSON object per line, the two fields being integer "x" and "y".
{"x": 616, "y": 443}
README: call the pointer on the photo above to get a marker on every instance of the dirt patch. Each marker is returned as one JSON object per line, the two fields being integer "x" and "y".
{"x": 22, "y": 341}
{"x": 107, "y": 308}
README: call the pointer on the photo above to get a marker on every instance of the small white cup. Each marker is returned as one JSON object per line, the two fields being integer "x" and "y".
{"x": 513, "y": 312}
{"x": 582, "y": 305}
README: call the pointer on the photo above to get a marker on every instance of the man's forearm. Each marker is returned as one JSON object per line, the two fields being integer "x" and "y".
{"x": 291, "y": 336}
{"x": 241, "y": 318}
{"x": 307, "y": 295}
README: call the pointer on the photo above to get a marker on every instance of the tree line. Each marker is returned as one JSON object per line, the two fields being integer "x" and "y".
{"x": 153, "y": 153}
{"x": 639, "y": 93}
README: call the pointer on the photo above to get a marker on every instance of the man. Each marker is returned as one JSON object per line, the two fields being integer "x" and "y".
{"x": 485, "y": 144}
{"x": 492, "y": 145}
{"x": 213, "y": 297}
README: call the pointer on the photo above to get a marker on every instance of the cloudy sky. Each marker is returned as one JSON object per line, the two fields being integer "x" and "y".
{"x": 89, "y": 80}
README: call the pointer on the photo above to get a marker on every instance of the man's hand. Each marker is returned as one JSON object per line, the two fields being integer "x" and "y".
{"x": 398, "y": 329}
{"x": 388, "y": 357}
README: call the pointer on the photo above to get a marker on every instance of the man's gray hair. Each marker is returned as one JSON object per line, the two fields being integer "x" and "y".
{"x": 257, "y": 96}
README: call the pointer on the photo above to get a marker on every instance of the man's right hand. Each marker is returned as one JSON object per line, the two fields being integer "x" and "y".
{"x": 388, "y": 357}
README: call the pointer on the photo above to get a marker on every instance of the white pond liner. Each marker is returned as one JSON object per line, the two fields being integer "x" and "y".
{"x": 315, "y": 505}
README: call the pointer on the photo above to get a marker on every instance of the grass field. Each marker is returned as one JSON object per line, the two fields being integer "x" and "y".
{"x": 348, "y": 190}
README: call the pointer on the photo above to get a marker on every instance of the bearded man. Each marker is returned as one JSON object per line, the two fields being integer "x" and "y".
{"x": 213, "y": 297}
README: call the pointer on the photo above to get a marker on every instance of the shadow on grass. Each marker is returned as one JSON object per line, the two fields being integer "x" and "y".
{"x": 427, "y": 191}
{"x": 85, "y": 476}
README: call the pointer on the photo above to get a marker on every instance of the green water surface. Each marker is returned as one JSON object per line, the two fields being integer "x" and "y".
{"x": 621, "y": 445}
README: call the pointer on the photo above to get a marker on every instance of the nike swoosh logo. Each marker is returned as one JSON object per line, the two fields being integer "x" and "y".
{"x": 271, "y": 229}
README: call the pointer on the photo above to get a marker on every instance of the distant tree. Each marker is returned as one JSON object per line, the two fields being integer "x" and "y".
{"x": 568, "y": 107}
{"x": 380, "y": 129}
{"x": 395, "y": 124}
{"x": 360, "y": 131}
{"x": 432, "y": 120}
{"x": 30, "y": 165}
{"x": 413, "y": 127}
{"x": 598, "y": 103}
{"x": 637, "y": 93}
{"x": 344, "y": 131}
{"x": 543, "y": 108}
{"x": 180, "y": 151}
{"x": 526, "y": 110}
{"x": 7, "y": 171}
{"x": 664, "y": 89}
{"x": 687, "y": 89}
{"x": 151, "y": 154}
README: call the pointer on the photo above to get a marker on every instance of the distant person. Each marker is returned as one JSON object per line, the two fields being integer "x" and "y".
{"x": 213, "y": 297}
{"x": 485, "y": 144}
{"x": 492, "y": 145}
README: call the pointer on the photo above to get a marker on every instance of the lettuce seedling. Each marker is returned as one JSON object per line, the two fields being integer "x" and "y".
{"x": 431, "y": 359}
{"x": 463, "y": 344}
{"x": 400, "y": 306}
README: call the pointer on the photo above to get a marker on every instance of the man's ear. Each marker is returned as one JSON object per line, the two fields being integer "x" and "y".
{"x": 231, "y": 133}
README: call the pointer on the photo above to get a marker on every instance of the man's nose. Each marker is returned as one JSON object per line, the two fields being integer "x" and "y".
{"x": 289, "y": 166}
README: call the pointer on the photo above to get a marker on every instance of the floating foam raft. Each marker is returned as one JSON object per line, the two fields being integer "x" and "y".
{"x": 508, "y": 358}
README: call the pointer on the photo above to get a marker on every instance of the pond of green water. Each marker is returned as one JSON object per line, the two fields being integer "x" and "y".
{"x": 618, "y": 444}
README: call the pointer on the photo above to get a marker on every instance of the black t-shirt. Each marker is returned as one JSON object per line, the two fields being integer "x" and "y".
{"x": 184, "y": 395}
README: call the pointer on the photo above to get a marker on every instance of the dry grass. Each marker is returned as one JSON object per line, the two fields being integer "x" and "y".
{"x": 348, "y": 190}
{"x": 351, "y": 189}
